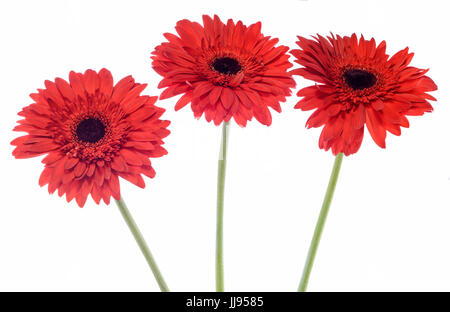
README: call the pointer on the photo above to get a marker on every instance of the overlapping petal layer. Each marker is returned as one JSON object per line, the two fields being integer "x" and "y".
{"x": 224, "y": 70}
{"x": 92, "y": 132}
{"x": 358, "y": 84}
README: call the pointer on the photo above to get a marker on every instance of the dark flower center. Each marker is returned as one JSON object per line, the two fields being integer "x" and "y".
{"x": 90, "y": 130}
{"x": 226, "y": 65}
{"x": 359, "y": 79}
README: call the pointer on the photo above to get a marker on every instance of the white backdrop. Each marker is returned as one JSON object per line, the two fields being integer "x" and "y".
{"x": 389, "y": 224}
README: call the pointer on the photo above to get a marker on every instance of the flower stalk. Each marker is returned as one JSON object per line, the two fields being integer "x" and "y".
{"x": 320, "y": 223}
{"x": 142, "y": 244}
{"x": 220, "y": 201}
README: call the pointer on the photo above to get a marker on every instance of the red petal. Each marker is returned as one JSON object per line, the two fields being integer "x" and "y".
{"x": 375, "y": 127}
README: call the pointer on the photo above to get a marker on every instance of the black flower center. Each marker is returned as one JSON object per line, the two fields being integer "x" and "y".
{"x": 90, "y": 130}
{"x": 226, "y": 65}
{"x": 359, "y": 79}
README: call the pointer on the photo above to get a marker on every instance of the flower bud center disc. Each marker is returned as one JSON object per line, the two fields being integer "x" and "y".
{"x": 226, "y": 65}
{"x": 90, "y": 130}
{"x": 359, "y": 79}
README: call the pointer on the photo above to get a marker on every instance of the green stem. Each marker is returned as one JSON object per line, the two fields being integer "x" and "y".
{"x": 220, "y": 198}
{"x": 320, "y": 223}
{"x": 142, "y": 244}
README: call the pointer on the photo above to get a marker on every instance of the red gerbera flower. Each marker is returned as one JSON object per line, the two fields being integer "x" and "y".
{"x": 224, "y": 70}
{"x": 359, "y": 84}
{"x": 92, "y": 132}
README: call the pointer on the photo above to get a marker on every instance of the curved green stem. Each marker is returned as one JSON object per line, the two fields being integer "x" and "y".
{"x": 320, "y": 223}
{"x": 220, "y": 200}
{"x": 142, "y": 244}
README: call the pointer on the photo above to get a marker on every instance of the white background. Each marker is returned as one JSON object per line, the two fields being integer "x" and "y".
{"x": 389, "y": 224}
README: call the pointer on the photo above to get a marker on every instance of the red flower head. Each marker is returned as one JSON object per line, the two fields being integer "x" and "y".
{"x": 224, "y": 70}
{"x": 92, "y": 133}
{"x": 359, "y": 84}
